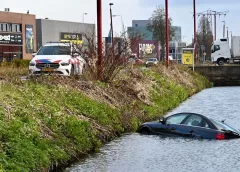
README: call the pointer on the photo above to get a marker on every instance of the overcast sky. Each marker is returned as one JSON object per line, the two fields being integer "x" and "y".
{"x": 179, "y": 10}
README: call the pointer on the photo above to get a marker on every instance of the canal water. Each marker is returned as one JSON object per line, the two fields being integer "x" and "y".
{"x": 140, "y": 153}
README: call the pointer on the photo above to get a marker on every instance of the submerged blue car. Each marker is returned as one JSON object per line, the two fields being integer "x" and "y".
{"x": 190, "y": 125}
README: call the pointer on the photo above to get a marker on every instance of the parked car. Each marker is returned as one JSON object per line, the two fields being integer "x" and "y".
{"x": 57, "y": 58}
{"x": 136, "y": 61}
{"x": 152, "y": 61}
{"x": 190, "y": 125}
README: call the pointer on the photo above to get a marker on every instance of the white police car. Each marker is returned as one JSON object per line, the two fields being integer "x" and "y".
{"x": 58, "y": 58}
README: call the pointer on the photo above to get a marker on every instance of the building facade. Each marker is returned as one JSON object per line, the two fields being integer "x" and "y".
{"x": 17, "y": 35}
{"x": 139, "y": 27}
{"x": 61, "y": 31}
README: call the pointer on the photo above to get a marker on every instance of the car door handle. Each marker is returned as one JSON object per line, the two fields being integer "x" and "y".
{"x": 173, "y": 128}
{"x": 191, "y": 131}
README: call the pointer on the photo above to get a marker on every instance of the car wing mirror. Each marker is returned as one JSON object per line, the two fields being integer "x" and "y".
{"x": 34, "y": 54}
{"x": 162, "y": 120}
{"x": 75, "y": 54}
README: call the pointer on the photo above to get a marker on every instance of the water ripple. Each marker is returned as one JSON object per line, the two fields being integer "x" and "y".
{"x": 137, "y": 153}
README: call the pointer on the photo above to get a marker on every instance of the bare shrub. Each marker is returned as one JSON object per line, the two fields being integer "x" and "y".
{"x": 114, "y": 56}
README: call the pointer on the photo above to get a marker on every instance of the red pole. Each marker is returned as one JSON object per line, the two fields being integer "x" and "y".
{"x": 99, "y": 37}
{"x": 194, "y": 16}
{"x": 167, "y": 35}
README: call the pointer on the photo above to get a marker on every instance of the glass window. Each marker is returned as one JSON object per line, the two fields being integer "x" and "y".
{"x": 19, "y": 28}
{"x": 205, "y": 124}
{"x": 4, "y": 27}
{"x": 55, "y": 50}
{"x": 14, "y": 27}
{"x": 176, "y": 119}
{"x": 224, "y": 126}
{"x": 194, "y": 120}
{"x": 9, "y": 27}
{"x": 216, "y": 48}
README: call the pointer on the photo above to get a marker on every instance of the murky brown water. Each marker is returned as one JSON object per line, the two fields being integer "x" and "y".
{"x": 139, "y": 153}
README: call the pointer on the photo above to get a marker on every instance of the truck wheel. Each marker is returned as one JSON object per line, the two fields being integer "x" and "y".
{"x": 221, "y": 62}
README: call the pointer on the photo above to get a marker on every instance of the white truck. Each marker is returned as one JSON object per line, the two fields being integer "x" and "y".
{"x": 222, "y": 53}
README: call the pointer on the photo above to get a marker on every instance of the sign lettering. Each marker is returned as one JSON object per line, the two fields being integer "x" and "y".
{"x": 75, "y": 38}
{"x": 10, "y": 38}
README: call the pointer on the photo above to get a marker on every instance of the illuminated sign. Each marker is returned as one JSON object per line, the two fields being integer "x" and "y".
{"x": 75, "y": 38}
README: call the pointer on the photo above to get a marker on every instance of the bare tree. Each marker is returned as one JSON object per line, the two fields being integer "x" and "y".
{"x": 204, "y": 36}
{"x": 157, "y": 26}
{"x": 114, "y": 58}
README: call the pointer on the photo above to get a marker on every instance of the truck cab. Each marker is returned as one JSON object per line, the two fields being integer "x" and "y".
{"x": 221, "y": 52}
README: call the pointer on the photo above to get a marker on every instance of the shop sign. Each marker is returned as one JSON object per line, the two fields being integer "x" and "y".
{"x": 75, "y": 38}
{"x": 10, "y": 38}
{"x": 187, "y": 57}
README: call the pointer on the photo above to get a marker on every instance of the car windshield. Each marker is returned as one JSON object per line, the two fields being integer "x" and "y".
{"x": 224, "y": 126}
{"x": 152, "y": 59}
{"x": 54, "y": 50}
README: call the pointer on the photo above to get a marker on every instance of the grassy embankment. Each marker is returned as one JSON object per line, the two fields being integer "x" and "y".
{"x": 52, "y": 120}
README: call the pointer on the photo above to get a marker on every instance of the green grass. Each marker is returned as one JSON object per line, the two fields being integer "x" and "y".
{"x": 41, "y": 125}
{"x": 165, "y": 95}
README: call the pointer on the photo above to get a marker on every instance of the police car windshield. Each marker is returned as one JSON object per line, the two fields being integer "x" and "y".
{"x": 54, "y": 50}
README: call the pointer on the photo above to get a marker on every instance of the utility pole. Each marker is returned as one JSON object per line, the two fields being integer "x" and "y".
{"x": 214, "y": 13}
{"x": 99, "y": 38}
{"x": 223, "y": 29}
{"x": 227, "y": 31}
{"x": 215, "y": 25}
{"x": 110, "y": 4}
{"x": 167, "y": 35}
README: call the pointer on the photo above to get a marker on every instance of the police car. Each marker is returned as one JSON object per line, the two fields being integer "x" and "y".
{"x": 57, "y": 58}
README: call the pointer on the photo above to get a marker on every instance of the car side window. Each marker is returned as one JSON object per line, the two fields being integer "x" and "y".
{"x": 205, "y": 124}
{"x": 176, "y": 119}
{"x": 194, "y": 120}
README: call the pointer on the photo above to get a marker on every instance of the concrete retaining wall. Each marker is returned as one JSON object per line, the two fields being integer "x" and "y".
{"x": 221, "y": 75}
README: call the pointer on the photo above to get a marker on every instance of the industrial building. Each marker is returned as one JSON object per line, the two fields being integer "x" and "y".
{"x": 61, "y": 31}
{"x": 148, "y": 41}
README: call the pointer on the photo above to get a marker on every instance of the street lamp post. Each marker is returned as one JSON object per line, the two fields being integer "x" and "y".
{"x": 123, "y": 29}
{"x": 83, "y": 16}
